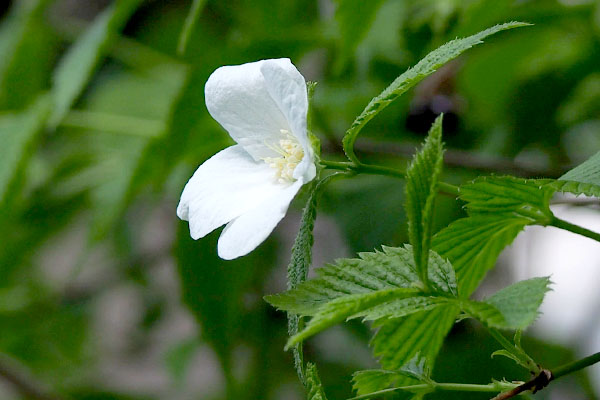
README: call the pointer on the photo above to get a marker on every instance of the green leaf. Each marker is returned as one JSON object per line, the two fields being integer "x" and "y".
{"x": 510, "y": 195}
{"x": 514, "y": 307}
{"x": 583, "y": 179}
{"x": 354, "y": 18}
{"x": 499, "y": 208}
{"x": 373, "y": 380}
{"x": 24, "y": 37}
{"x": 380, "y": 270}
{"x": 421, "y": 189}
{"x": 414, "y": 75}
{"x": 18, "y": 133}
{"x": 80, "y": 61}
{"x": 188, "y": 26}
{"x": 473, "y": 245}
{"x": 313, "y": 384}
{"x": 577, "y": 188}
{"x": 398, "y": 340}
{"x": 347, "y": 307}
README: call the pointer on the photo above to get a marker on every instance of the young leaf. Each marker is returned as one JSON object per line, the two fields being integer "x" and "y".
{"x": 421, "y": 189}
{"x": 17, "y": 133}
{"x": 514, "y": 307}
{"x": 313, "y": 384}
{"x": 80, "y": 61}
{"x": 414, "y": 75}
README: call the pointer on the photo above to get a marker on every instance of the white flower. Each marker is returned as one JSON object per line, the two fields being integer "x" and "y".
{"x": 263, "y": 106}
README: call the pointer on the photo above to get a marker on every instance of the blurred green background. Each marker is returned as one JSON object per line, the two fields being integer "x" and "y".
{"x": 104, "y": 295}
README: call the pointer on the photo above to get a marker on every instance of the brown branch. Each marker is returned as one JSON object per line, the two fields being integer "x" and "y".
{"x": 536, "y": 383}
{"x": 21, "y": 380}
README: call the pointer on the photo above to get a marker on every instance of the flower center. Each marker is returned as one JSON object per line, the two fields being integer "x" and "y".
{"x": 291, "y": 154}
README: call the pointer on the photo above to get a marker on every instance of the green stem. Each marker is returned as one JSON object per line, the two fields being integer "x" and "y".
{"x": 445, "y": 387}
{"x": 575, "y": 366}
{"x": 360, "y": 168}
{"x": 562, "y": 224}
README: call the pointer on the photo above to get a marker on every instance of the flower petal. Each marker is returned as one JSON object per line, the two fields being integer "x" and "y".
{"x": 288, "y": 89}
{"x": 226, "y": 186}
{"x": 237, "y": 97}
{"x": 246, "y": 232}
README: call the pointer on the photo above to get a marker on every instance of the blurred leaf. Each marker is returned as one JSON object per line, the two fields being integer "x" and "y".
{"x": 412, "y": 76}
{"x": 514, "y": 307}
{"x": 27, "y": 47}
{"x": 354, "y": 18}
{"x": 18, "y": 133}
{"x": 78, "y": 64}
{"x": 188, "y": 26}
{"x": 421, "y": 190}
{"x": 214, "y": 290}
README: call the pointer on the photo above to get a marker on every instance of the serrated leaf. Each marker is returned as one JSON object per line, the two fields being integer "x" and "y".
{"x": 188, "y": 26}
{"x": 499, "y": 208}
{"x": 508, "y": 194}
{"x": 421, "y": 189}
{"x": 583, "y": 179}
{"x": 473, "y": 245}
{"x": 373, "y": 380}
{"x": 514, "y": 307}
{"x": 80, "y": 61}
{"x": 17, "y": 134}
{"x": 313, "y": 384}
{"x": 412, "y": 76}
{"x": 380, "y": 270}
{"x": 347, "y": 307}
{"x": 398, "y": 340}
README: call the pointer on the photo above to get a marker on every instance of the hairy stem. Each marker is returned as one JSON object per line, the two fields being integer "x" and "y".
{"x": 562, "y": 224}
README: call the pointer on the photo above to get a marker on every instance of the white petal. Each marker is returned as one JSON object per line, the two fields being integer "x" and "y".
{"x": 237, "y": 97}
{"x": 246, "y": 232}
{"x": 226, "y": 186}
{"x": 288, "y": 89}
